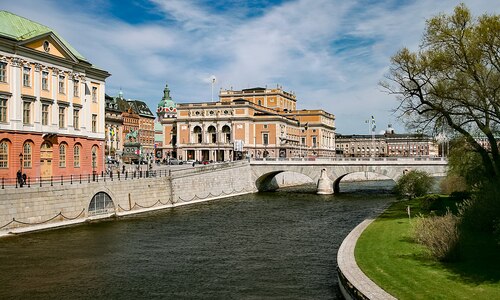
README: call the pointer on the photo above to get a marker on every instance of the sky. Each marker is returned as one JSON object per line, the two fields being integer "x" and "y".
{"x": 331, "y": 53}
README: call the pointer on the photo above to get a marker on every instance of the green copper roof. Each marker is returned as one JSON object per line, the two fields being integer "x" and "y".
{"x": 22, "y": 29}
{"x": 166, "y": 101}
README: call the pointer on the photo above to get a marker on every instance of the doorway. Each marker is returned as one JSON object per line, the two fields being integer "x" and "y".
{"x": 46, "y": 160}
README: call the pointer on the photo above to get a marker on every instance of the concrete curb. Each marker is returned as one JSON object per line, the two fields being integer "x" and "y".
{"x": 354, "y": 284}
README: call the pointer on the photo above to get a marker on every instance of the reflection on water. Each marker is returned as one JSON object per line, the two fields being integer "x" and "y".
{"x": 268, "y": 245}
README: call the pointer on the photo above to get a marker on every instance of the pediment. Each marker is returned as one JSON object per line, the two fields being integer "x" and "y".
{"x": 49, "y": 43}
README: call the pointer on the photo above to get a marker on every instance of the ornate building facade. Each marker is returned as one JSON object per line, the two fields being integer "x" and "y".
{"x": 256, "y": 123}
{"x": 51, "y": 103}
{"x": 389, "y": 144}
{"x": 113, "y": 128}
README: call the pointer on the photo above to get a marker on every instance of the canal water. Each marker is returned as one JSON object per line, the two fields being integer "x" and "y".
{"x": 277, "y": 245}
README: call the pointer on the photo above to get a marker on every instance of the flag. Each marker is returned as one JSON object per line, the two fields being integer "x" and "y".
{"x": 373, "y": 124}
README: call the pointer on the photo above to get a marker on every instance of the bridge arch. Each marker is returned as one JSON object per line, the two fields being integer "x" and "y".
{"x": 336, "y": 182}
{"x": 269, "y": 180}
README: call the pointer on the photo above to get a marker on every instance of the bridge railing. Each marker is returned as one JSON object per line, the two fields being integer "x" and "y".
{"x": 391, "y": 158}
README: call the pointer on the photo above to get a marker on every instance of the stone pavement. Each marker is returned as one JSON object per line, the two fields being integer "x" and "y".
{"x": 349, "y": 268}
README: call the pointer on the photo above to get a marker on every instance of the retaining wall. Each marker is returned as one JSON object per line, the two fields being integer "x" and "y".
{"x": 36, "y": 208}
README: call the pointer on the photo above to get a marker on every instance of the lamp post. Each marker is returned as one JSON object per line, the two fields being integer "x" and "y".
{"x": 21, "y": 162}
{"x": 93, "y": 165}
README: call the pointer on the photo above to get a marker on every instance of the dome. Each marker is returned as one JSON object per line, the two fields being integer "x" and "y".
{"x": 166, "y": 105}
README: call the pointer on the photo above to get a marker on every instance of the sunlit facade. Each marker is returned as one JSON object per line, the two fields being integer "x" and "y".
{"x": 51, "y": 103}
{"x": 256, "y": 123}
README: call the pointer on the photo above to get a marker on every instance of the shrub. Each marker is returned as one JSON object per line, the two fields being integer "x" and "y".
{"x": 453, "y": 183}
{"x": 430, "y": 202}
{"x": 482, "y": 211}
{"x": 459, "y": 196}
{"x": 440, "y": 234}
{"x": 413, "y": 184}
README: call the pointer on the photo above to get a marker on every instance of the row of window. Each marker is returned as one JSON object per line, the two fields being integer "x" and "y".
{"x": 27, "y": 110}
{"x": 27, "y": 81}
{"x": 27, "y": 154}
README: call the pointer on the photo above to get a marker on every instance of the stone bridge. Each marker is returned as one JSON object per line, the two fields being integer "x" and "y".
{"x": 263, "y": 171}
{"x": 77, "y": 201}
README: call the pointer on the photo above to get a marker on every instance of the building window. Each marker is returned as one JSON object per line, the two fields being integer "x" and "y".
{"x": 76, "y": 119}
{"x": 94, "y": 94}
{"x": 26, "y": 76}
{"x": 4, "y": 155}
{"x": 45, "y": 114}
{"x": 27, "y": 153}
{"x": 62, "y": 115}
{"x": 314, "y": 142}
{"x": 94, "y": 123}
{"x": 61, "y": 84}
{"x": 26, "y": 112}
{"x": 45, "y": 80}
{"x": 3, "y": 110}
{"x": 62, "y": 156}
{"x": 76, "y": 91}
{"x": 76, "y": 156}
{"x": 265, "y": 138}
{"x": 3, "y": 72}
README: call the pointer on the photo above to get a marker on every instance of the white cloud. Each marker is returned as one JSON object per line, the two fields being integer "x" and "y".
{"x": 294, "y": 44}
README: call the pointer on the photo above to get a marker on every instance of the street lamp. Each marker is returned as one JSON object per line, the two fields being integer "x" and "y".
{"x": 93, "y": 165}
{"x": 21, "y": 162}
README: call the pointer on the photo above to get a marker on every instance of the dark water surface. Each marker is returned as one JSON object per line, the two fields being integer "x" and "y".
{"x": 279, "y": 245}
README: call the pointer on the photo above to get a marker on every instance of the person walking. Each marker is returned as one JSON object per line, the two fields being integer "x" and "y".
{"x": 20, "y": 178}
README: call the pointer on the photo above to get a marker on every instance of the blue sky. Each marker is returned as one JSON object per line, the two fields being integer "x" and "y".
{"x": 330, "y": 53}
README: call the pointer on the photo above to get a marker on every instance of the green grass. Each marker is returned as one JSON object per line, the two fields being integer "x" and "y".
{"x": 388, "y": 255}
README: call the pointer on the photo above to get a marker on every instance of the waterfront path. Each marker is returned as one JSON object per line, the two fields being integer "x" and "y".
{"x": 348, "y": 268}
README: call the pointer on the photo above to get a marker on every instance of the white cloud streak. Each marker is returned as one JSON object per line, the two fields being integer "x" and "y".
{"x": 331, "y": 53}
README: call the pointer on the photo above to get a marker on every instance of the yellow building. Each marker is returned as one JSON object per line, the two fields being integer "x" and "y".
{"x": 51, "y": 103}
{"x": 255, "y": 123}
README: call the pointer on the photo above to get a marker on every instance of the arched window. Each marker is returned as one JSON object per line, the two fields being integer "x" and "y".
{"x": 100, "y": 204}
{"x": 197, "y": 134}
{"x": 76, "y": 156}
{"x": 4, "y": 154}
{"x": 212, "y": 132}
{"x": 27, "y": 155}
{"x": 62, "y": 155}
{"x": 226, "y": 132}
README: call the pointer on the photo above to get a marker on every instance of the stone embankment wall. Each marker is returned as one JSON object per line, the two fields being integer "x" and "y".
{"x": 37, "y": 208}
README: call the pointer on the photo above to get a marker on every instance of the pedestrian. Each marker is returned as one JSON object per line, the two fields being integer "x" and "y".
{"x": 24, "y": 178}
{"x": 20, "y": 178}
{"x": 123, "y": 169}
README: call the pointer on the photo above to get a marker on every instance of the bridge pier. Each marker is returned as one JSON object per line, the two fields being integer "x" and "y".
{"x": 325, "y": 185}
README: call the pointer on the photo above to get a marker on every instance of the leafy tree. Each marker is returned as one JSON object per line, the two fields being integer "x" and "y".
{"x": 414, "y": 183}
{"x": 465, "y": 163}
{"x": 453, "y": 82}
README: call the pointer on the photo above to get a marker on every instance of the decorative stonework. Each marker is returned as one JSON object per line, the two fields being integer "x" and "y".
{"x": 16, "y": 62}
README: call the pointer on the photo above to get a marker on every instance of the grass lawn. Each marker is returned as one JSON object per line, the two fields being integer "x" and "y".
{"x": 388, "y": 255}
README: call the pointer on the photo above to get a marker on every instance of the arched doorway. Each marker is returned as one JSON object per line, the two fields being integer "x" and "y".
{"x": 101, "y": 204}
{"x": 46, "y": 160}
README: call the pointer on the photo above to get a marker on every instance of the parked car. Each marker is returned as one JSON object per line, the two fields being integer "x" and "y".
{"x": 175, "y": 161}
{"x": 110, "y": 160}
